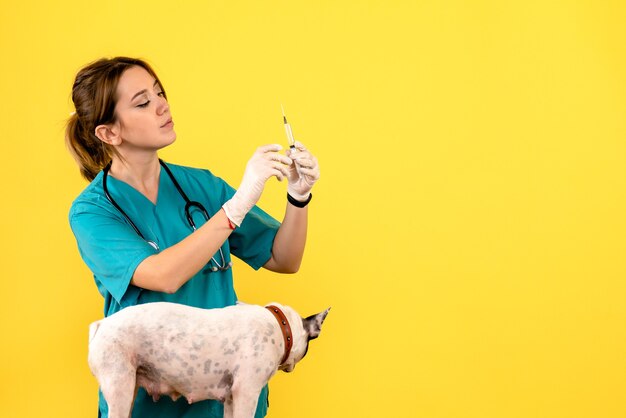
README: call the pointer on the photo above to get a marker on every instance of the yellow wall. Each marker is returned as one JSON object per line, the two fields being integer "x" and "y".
{"x": 468, "y": 229}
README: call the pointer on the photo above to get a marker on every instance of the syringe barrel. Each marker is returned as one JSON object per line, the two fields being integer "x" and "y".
{"x": 289, "y": 134}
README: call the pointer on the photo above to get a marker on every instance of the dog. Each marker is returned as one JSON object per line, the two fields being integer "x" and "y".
{"x": 227, "y": 354}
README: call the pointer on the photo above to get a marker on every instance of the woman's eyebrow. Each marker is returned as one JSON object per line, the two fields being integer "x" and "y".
{"x": 143, "y": 91}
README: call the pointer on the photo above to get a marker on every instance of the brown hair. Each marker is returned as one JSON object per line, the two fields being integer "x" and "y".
{"x": 95, "y": 95}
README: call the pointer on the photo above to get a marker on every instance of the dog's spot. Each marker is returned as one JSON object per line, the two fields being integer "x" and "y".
{"x": 264, "y": 339}
{"x": 273, "y": 342}
{"x": 229, "y": 352}
{"x": 190, "y": 371}
{"x": 227, "y": 380}
{"x": 207, "y": 366}
{"x": 224, "y": 343}
{"x": 197, "y": 345}
{"x": 164, "y": 358}
{"x": 193, "y": 357}
{"x": 258, "y": 370}
{"x": 178, "y": 337}
{"x": 217, "y": 364}
{"x": 269, "y": 330}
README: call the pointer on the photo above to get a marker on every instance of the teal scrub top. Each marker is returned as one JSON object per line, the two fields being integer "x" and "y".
{"x": 112, "y": 250}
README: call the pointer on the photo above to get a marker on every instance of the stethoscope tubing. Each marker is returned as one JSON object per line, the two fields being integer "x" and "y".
{"x": 188, "y": 205}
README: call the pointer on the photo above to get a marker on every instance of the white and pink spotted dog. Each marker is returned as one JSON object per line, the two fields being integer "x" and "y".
{"x": 169, "y": 349}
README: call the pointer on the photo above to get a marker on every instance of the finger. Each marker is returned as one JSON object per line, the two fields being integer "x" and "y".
{"x": 269, "y": 148}
{"x": 283, "y": 169}
{"x": 279, "y": 172}
{"x": 278, "y": 175}
{"x": 312, "y": 173}
{"x": 305, "y": 162}
{"x": 274, "y": 156}
{"x": 300, "y": 154}
{"x": 299, "y": 146}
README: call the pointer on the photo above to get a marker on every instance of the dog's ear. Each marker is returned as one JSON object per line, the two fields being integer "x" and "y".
{"x": 313, "y": 324}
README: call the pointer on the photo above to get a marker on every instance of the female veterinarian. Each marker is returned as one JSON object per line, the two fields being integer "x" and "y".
{"x": 153, "y": 231}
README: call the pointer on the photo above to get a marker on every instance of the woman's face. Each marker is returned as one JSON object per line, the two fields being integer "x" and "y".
{"x": 143, "y": 114}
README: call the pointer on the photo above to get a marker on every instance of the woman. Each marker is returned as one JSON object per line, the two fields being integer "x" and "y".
{"x": 151, "y": 231}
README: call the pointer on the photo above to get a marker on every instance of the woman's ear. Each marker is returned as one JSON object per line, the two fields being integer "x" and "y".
{"x": 109, "y": 134}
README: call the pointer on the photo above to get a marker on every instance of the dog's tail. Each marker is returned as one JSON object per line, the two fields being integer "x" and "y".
{"x": 93, "y": 328}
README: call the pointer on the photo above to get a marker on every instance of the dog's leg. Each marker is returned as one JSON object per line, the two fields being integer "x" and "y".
{"x": 228, "y": 407}
{"x": 245, "y": 407}
{"x": 119, "y": 391}
{"x": 245, "y": 399}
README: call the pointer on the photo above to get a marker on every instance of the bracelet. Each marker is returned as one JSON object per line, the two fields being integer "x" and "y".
{"x": 297, "y": 203}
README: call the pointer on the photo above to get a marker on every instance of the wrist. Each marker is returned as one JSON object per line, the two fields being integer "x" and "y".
{"x": 236, "y": 209}
{"x": 299, "y": 195}
{"x": 297, "y": 202}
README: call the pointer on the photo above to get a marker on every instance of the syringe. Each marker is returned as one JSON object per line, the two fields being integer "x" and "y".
{"x": 290, "y": 140}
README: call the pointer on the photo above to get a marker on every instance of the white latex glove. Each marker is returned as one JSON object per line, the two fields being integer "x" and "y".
{"x": 266, "y": 162}
{"x": 303, "y": 173}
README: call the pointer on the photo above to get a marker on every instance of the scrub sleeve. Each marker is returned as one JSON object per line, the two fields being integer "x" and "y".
{"x": 112, "y": 250}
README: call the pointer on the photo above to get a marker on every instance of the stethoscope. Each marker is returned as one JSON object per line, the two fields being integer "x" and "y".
{"x": 188, "y": 205}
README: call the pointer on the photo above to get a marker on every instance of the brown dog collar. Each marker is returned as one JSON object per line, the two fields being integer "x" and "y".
{"x": 285, "y": 329}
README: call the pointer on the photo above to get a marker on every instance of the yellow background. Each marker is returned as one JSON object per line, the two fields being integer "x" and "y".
{"x": 468, "y": 229}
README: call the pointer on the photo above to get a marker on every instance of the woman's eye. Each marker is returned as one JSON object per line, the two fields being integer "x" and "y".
{"x": 161, "y": 93}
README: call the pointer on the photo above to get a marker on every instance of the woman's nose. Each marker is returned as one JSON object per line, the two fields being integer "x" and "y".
{"x": 163, "y": 105}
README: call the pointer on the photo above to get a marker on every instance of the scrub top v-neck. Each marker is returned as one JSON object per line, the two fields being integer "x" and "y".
{"x": 112, "y": 250}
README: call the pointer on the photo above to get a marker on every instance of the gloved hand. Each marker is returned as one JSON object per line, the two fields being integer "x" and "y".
{"x": 265, "y": 163}
{"x": 303, "y": 173}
